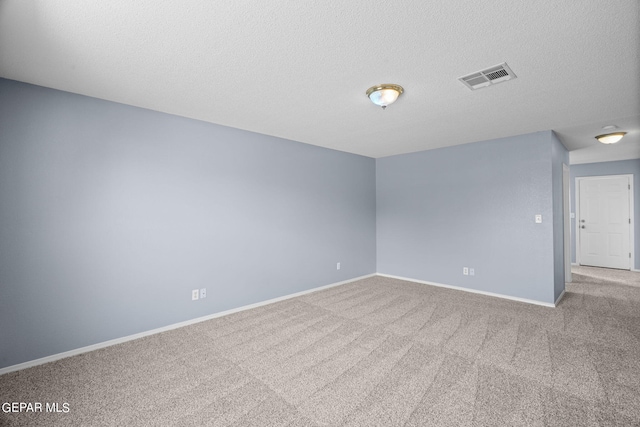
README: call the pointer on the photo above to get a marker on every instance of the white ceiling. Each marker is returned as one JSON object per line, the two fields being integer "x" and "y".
{"x": 300, "y": 69}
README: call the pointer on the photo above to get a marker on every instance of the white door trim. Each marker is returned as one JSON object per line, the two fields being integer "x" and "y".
{"x": 631, "y": 215}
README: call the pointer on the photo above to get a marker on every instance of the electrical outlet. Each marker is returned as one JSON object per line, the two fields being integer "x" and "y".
{"x": 472, "y": 272}
{"x": 465, "y": 271}
{"x": 195, "y": 294}
{"x": 338, "y": 266}
{"x": 203, "y": 293}
{"x": 538, "y": 219}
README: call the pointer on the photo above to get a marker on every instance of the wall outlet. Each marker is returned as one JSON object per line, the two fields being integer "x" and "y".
{"x": 203, "y": 293}
{"x": 195, "y": 294}
{"x": 472, "y": 272}
{"x": 465, "y": 271}
{"x": 538, "y": 219}
{"x": 338, "y": 266}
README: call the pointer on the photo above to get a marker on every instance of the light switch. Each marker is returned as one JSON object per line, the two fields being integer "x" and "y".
{"x": 538, "y": 219}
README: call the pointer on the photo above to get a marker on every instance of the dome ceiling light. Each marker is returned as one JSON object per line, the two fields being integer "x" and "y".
{"x": 611, "y": 138}
{"x": 385, "y": 94}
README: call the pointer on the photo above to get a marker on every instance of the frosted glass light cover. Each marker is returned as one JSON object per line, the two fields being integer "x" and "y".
{"x": 384, "y": 97}
{"x": 611, "y": 138}
{"x": 384, "y": 94}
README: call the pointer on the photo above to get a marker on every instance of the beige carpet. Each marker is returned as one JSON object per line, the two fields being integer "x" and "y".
{"x": 378, "y": 352}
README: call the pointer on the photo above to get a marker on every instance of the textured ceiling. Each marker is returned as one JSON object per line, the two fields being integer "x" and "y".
{"x": 300, "y": 69}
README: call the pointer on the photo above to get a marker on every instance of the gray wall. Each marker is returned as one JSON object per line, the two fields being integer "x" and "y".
{"x": 110, "y": 215}
{"x": 622, "y": 167}
{"x": 472, "y": 205}
{"x": 559, "y": 156}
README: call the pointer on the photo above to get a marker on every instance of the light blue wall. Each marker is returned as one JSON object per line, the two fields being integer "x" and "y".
{"x": 622, "y": 167}
{"x": 472, "y": 205}
{"x": 110, "y": 215}
{"x": 559, "y": 156}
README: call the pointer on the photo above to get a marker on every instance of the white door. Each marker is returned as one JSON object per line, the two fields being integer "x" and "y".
{"x": 604, "y": 222}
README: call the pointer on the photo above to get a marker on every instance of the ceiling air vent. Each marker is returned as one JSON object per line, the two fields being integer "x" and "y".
{"x": 490, "y": 76}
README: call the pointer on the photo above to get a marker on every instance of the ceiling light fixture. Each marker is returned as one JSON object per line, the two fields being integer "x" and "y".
{"x": 384, "y": 95}
{"x": 611, "y": 138}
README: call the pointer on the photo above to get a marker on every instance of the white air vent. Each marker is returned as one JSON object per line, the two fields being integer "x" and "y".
{"x": 483, "y": 78}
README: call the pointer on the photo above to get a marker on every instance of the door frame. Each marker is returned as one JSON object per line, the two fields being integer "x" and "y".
{"x": 632, "y": 263}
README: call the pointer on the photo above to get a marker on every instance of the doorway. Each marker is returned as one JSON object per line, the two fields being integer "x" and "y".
{"x": 604, "y": 219}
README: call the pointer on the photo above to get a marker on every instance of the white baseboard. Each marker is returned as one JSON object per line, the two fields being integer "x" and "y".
{"x": 109, "y": 343}
{"x": 474, "y": 291}
{"x": 555, "y": 304}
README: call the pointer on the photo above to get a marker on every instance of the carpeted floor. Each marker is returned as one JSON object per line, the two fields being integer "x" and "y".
{"x": 377, "y": 352}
